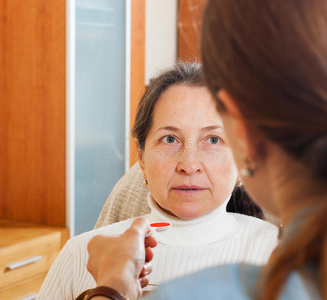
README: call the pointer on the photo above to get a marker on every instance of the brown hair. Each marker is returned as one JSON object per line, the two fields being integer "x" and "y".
{"x": 190, "y": 74}
{"x": 271, "y": 57}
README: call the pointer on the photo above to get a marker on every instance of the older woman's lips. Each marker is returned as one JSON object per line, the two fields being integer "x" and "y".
{"x": 188, "y": 188}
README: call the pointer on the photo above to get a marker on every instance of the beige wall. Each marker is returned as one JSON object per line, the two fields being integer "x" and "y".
{"x": 160, "y": 35}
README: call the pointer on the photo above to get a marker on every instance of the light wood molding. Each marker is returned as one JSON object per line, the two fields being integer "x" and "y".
{"x": 137, "y": 65}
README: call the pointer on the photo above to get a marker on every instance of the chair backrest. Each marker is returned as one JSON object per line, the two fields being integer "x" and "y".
{"x": 128, "y": 199}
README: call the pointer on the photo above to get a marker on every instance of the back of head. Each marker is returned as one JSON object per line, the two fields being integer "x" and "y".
{"x": 271, "y": 57}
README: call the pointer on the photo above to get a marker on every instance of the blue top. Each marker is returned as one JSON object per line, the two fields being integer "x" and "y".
{"x": 231, "y": 282}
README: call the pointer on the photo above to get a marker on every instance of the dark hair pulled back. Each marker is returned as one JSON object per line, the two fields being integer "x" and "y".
{"x": 189, "y": 74}
{"x": 184, "y": 73}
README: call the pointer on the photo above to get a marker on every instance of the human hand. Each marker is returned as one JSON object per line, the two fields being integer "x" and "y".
{"x": 123, "y": 262}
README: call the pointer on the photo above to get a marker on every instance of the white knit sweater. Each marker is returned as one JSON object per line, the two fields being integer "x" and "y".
{"x": 188, "y": 246}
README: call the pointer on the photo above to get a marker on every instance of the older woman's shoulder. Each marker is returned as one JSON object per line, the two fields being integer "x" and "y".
{"x": 112, "y": 229}
{"x": 252, "y": 223}
{"x": 258, "y": 237}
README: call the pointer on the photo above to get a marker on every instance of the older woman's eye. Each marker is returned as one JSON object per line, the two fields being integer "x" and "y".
{"x": 168, "y": 139}
{"x": 214, "y": 140}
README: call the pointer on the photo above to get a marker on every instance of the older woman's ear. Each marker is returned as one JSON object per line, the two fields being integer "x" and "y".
{"x": 239, "y": 182}
{"x": 140, "y": 157}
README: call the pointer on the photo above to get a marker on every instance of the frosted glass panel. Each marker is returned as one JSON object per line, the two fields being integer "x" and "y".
{"x": 99, "y": 105}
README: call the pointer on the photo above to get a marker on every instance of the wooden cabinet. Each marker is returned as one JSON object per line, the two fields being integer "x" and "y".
{"x": 32, "y": 142}
{"x": 23, "y": 291}
{"x": 27, "y": 252}
{"x": 33, "y": 111}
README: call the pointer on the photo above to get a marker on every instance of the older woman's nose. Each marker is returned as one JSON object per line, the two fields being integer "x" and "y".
{"x": 189, "y": 161}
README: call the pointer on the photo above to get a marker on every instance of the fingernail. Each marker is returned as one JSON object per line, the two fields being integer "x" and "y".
{"x": 146, "y": 269}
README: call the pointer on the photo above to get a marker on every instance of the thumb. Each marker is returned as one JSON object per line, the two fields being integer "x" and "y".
{"x": 139, "y": 227}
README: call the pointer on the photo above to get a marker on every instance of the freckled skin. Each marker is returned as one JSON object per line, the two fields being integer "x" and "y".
{"x": 186, "y": 159}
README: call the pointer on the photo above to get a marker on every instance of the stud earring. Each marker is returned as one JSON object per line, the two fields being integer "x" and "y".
{"x": 239, "y": 183}
{"x": 145, "y": 182}
{"x": 247, "y": 171}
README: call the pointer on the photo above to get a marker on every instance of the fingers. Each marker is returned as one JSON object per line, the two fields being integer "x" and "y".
{"x": 146, "y": 270}
{"x": 148, "y": 254}
{"x": 144, "y": 281}
{"x": 140, "y": 225}
{"x": 127, "y": 257}
{"x": 150, "y": 242}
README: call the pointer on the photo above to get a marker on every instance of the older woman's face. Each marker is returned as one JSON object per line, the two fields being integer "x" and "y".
{"x": 186, "y": 159}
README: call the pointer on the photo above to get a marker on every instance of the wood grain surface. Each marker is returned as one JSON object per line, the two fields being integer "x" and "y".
{"x": 32, "y": 111}
{"x": 189, "y": 28}
{"x": 137, "y": 65}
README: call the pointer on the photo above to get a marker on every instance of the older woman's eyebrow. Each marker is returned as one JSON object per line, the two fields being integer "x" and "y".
{"x": 170, "y": 128}
{"x": 213, "y": 127}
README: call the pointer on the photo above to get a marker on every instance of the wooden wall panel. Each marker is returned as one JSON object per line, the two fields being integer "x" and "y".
{"x": 32, "y": 111}
{"x": 137, "y": 65}
{"x": 189, "y": 28}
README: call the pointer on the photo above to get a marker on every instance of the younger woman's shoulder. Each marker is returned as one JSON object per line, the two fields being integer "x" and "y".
{"x": 221, "y": 282}
{"x": 236, "y": 281}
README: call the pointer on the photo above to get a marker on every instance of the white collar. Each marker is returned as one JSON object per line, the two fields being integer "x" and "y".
{"x": 204, "y": 230}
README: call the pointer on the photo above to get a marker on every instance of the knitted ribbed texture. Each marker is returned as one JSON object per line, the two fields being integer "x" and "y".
{"x": 216, "y": 238}
{"x": 188, "y": 246}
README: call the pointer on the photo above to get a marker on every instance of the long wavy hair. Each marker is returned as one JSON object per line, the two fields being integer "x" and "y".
{"x": 271, "y": 57}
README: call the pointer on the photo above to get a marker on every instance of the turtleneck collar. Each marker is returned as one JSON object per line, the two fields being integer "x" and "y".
{"x": 201, "y": 231}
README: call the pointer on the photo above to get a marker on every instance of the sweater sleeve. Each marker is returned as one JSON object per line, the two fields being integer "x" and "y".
{"x": 59, "y": 280}
{"x": 68, "y": 276}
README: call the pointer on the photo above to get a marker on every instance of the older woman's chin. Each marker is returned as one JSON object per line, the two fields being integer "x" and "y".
{"x": 189, "y": 211}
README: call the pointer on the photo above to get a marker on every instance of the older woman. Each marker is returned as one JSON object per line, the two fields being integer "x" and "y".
{"x": 189, "y": 168}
